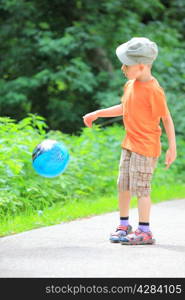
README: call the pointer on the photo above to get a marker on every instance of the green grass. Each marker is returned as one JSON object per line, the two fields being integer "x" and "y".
{"x": 59, "y": 213}
{"x": 94, "y": 154}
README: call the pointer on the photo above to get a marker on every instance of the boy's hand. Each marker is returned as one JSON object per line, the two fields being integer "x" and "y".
{"x": 170, "y": 156}
{"x": 89, "y": 118}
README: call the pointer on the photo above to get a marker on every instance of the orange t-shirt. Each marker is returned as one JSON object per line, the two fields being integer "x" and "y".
{"x": 144, "y": 103}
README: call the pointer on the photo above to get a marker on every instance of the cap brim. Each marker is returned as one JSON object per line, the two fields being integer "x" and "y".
{"x": 120, "y": 52}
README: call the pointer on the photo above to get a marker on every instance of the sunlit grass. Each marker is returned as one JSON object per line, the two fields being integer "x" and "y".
{"x": 59, "y": 213}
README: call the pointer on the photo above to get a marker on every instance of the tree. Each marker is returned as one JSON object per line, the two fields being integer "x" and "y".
{"x": 58, "y": 57}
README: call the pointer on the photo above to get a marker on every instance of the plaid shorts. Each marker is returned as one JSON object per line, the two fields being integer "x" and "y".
{"x": 135, "y": 173}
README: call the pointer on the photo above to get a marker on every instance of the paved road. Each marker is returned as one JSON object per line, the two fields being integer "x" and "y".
{"x": 81, "y": 248}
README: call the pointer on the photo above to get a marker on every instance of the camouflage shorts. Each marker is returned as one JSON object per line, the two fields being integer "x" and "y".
{"x": 135, "y": 173}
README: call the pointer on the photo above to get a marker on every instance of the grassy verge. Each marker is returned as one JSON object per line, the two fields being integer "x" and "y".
{"x": 79, "y": 209}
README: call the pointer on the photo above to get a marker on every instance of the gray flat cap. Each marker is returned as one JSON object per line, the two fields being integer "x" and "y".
{"x": 137, "y": 50}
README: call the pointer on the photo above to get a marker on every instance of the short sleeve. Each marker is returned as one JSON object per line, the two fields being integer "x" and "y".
{"x": 159, "y": 104}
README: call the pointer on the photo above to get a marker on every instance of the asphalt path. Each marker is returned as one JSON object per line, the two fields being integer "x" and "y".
{"x": 81, "y": 248}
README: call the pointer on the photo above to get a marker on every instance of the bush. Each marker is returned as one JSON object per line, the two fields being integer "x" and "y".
{"x": 92, "y": 169}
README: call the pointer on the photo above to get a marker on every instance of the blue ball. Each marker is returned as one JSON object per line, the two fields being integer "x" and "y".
{"x": 50, "y": 158}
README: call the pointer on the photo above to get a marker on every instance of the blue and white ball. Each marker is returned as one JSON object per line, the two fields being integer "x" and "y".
{"x": 50, "y": 158}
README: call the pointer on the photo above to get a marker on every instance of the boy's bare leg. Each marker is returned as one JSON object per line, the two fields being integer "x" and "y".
{"x": 144, "y": 206}
{"x": 124, "y": 202}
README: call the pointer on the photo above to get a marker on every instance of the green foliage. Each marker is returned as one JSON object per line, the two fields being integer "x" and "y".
{"x": 91, "y": 173}
{"x": 58, "y": 61}
{"x": 175, "y": 15}
{"x": 58, "y": 57}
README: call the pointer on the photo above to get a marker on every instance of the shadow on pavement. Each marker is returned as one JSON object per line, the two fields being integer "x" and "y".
{"x": 178, "y": 248}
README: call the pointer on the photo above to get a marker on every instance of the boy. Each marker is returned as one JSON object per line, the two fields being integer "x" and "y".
{"x": 143, "y": 104}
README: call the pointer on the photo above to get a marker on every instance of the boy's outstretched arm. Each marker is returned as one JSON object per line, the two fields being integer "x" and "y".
{"x": 171, "y": 153}
{"x": 113, "y": 111}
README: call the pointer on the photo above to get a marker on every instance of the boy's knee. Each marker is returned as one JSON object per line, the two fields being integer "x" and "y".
{"x": 145, "y": 195}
